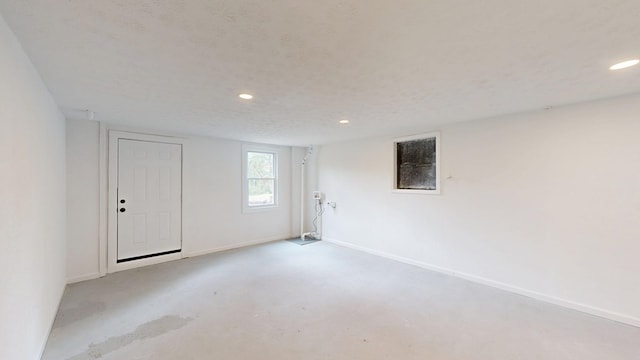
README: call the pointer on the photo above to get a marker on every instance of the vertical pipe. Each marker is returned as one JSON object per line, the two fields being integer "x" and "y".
{"x": 302, "y": 198}
{"x": 302, "y": 192}
{"x": 320, "y": 218}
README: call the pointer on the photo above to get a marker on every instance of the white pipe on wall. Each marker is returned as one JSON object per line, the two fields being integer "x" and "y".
{"x": 302, "y": 192}
{"x": 302, "y": 200}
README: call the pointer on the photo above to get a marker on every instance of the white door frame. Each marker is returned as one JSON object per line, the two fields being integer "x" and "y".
{"x": 112, "y": 202}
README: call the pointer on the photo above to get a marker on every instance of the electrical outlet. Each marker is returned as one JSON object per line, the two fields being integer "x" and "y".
{"x": 317, "y": 195}
{"x": 332, "y": 204}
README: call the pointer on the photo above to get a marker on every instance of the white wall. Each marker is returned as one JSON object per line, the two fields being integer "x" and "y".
{"x": 212, "y": 198}
{"x": 32, "y": 205}
{"x": 82, "y": 200}
{"x": 545, "y": 203}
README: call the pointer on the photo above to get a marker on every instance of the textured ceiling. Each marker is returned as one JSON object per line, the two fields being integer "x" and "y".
{"x": 391, "y": 67}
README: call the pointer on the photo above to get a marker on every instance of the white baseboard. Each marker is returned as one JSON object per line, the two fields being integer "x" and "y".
{"x": 84, "y": 277}
{"x": 236, "y": 246}
{"x": 610, "y": 315}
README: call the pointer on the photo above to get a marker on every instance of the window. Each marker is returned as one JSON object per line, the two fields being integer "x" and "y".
{"x": 417, "y": 168}
{"x": 260, "y": 178}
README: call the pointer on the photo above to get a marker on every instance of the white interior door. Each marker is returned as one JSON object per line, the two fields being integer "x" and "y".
{"x": 149, "y": 199}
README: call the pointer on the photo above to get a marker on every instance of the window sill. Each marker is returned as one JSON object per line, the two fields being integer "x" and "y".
{"x": 416, "y": 191}
{"x": 258, "y": 209}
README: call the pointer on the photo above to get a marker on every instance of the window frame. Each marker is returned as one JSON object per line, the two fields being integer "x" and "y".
{"x": 246, "y": 149}
{"x": 436, "y": 191}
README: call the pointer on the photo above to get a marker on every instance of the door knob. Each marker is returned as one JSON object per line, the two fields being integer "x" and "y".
{"x": 123, "y": 209}
{"x": 122, "y": 201}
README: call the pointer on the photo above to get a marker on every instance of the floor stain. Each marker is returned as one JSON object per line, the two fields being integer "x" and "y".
{"x": 82, "y": 311}
{"x": 147, "y": 330}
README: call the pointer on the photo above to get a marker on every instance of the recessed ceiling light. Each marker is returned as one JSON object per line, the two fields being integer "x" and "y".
{"x": 245, "y": 96}
{"x": 344, "y": 121}
{"x": 624, "y": 64}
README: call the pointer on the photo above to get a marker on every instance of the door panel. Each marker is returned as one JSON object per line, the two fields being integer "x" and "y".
{"x": 149, "y": 198}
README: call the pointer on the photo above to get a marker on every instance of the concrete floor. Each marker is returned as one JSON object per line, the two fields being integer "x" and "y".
{"x": 319, "y": 301}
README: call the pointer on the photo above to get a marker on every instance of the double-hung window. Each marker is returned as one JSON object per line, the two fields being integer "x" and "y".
{"x": 260, "y": 178}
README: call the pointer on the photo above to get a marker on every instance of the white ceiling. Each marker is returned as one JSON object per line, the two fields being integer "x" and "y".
{"x": 391, "y": 67}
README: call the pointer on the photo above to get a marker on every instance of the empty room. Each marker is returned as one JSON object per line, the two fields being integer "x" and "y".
{"x": 339, "y": 179}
